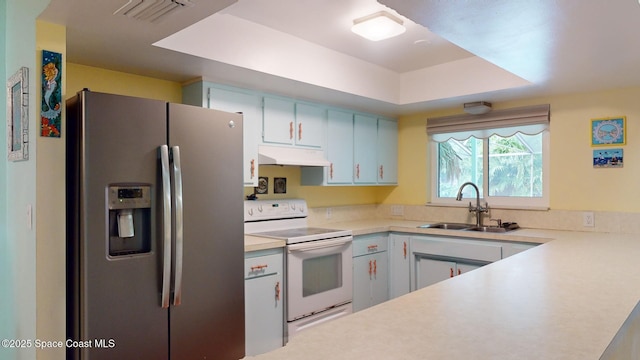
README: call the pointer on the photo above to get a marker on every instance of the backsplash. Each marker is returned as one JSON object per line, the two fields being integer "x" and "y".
{"x": 569, "y": 220}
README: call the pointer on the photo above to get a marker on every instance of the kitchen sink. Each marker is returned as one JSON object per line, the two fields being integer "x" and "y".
{"x": 505, "y": 227}
{"x": 449, "y": 226}
{"x": 487, "y": 229}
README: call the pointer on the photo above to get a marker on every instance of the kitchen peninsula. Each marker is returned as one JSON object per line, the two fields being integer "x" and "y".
{"x": 565, "y": 299}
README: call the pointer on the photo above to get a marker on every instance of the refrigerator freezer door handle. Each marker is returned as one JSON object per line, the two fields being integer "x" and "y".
{"x": 177, "y": 176}
{"x": 166, "y": 229}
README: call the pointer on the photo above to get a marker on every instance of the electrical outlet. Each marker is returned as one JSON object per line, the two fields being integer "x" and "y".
{"x": 329, "y": 213}
{"x": 588, "y": 219}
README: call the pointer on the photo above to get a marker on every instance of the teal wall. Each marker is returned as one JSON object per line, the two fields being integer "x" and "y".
{"x": 18, "y": 184}
{"x": 6, "y": 317}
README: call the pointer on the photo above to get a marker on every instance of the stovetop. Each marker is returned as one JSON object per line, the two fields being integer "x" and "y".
{"x": 284, "y": 220}
{"x": 303, "y": 234}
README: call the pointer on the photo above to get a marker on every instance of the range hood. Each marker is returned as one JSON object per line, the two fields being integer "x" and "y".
{"x": 283, "y": 155}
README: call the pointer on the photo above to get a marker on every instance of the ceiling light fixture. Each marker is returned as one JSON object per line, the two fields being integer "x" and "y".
{"x": 477, "y": 108}
{"x": 378, "y": 26}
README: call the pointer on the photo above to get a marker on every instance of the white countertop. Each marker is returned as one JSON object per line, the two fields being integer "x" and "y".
{"x": 255, "y": 243}
{"x": 565, "y": 299}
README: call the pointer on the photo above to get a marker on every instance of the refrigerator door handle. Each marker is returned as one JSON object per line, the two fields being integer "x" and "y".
{"x": 166, "y": 229}
{"x": 177, "y": 176}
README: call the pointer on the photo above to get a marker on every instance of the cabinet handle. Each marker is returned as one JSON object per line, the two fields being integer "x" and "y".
{"x": 372, "y": 247}
{"x": 459, "y": 272}
{"x": 259, "y": 267}
{"x": 299, "y": 131}
{"x": 381, "y": 172}
{"x": 451, "y": 274}
{"x": 375, "y": 267}
{"x": 357, "y": 171}
{"x": 278, "y": 291}
{"x": 370, "y": 268}
{"x": 404, "y": 248}
{"x": 253, "y": 168}
{"x": 291, "y": 130}
{"x": 331, "y": 171}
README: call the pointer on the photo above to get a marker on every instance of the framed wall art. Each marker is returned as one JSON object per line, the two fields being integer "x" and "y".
{"x": 608, "y": 158}
{"x": 279, "y": 185}
{"x": 18, "y": 115}
{"x": 263, "y": 185}
{"x": 608, "y": 131}
{"x": 51, "y": 102}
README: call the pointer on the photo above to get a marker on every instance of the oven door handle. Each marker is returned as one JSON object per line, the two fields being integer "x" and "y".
{"x": 319, "y": 244}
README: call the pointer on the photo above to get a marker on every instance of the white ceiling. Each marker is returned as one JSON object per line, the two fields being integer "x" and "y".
{"x": 492, "y": 50}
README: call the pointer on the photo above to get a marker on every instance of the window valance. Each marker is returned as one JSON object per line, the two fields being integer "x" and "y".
{"x": 528, "y": 120}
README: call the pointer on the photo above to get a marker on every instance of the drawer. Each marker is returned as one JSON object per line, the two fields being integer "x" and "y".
{"x": 262, "y": 266}
{"x": 454, "y": 248}
{"x": 369, "y": 245}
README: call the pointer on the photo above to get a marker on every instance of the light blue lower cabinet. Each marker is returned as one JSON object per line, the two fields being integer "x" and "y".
{"x": 399, "y": 265}
{"x": 430, "y": 271}
{"x": 264, "y": 296}
{"x": 370, "y": 271}
{"x": 389, "y": 265}
{"x": 436, "y": 258}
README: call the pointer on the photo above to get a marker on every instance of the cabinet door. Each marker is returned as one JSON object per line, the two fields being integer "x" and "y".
{"x": 462, "y": 268}
{"x": 264, "y": 314}
{"x": 365, "y": 135}
{"x": 278, "y": 121}
{"x": 264, "y": 317}
{"x": 340, "y": 147}
{"x": 250, "y": 107}
{"x": 387, "y": 151}
{"x": 362, "y": 266}
{"x": 400, "y": 268}
{"x": 429, "y": 271}
{"x": 310, "y": 125}
{"x": 379, "y": 278}
{"x": 509, "y": 249}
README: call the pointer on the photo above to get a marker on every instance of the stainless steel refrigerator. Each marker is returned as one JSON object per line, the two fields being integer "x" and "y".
{"x": 154, "y": 230}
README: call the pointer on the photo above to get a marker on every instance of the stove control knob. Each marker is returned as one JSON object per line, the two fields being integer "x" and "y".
{"x": 250, "y": 211}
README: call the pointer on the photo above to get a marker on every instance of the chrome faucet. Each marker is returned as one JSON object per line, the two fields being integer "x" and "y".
{"x": 477, "y": 209}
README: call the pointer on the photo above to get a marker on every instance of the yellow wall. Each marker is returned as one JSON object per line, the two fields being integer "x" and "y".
{"x": 114, "y": 82}
{"x": 50, "y": 197}
{"x": 317, "y": 196}
{"x": 574, "y": 183}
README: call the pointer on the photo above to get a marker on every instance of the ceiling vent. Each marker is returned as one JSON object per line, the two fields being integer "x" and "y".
{"x": 477, "y": 108}
{"x": 151, "y": 10}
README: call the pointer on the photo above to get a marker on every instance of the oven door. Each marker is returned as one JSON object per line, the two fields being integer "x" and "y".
{"x": 319, "y": 276}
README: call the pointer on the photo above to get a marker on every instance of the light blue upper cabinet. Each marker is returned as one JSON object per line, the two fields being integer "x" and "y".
{"x": 288, "y": 123}
{"x": 233, "y": 100}
{"x": 339, "y": 147}
{"x": 310, "y": 125}
{"x": 387, "y": 151}
{"x": 365, "y": 142}
{"x": 362, "y": 149}
{"x": 279, "y": 121}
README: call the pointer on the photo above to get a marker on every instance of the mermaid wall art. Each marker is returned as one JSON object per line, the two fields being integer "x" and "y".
{"x": 51, "y": 107}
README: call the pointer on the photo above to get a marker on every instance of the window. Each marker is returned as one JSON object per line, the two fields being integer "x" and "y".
{"x": 505, "y": 153}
